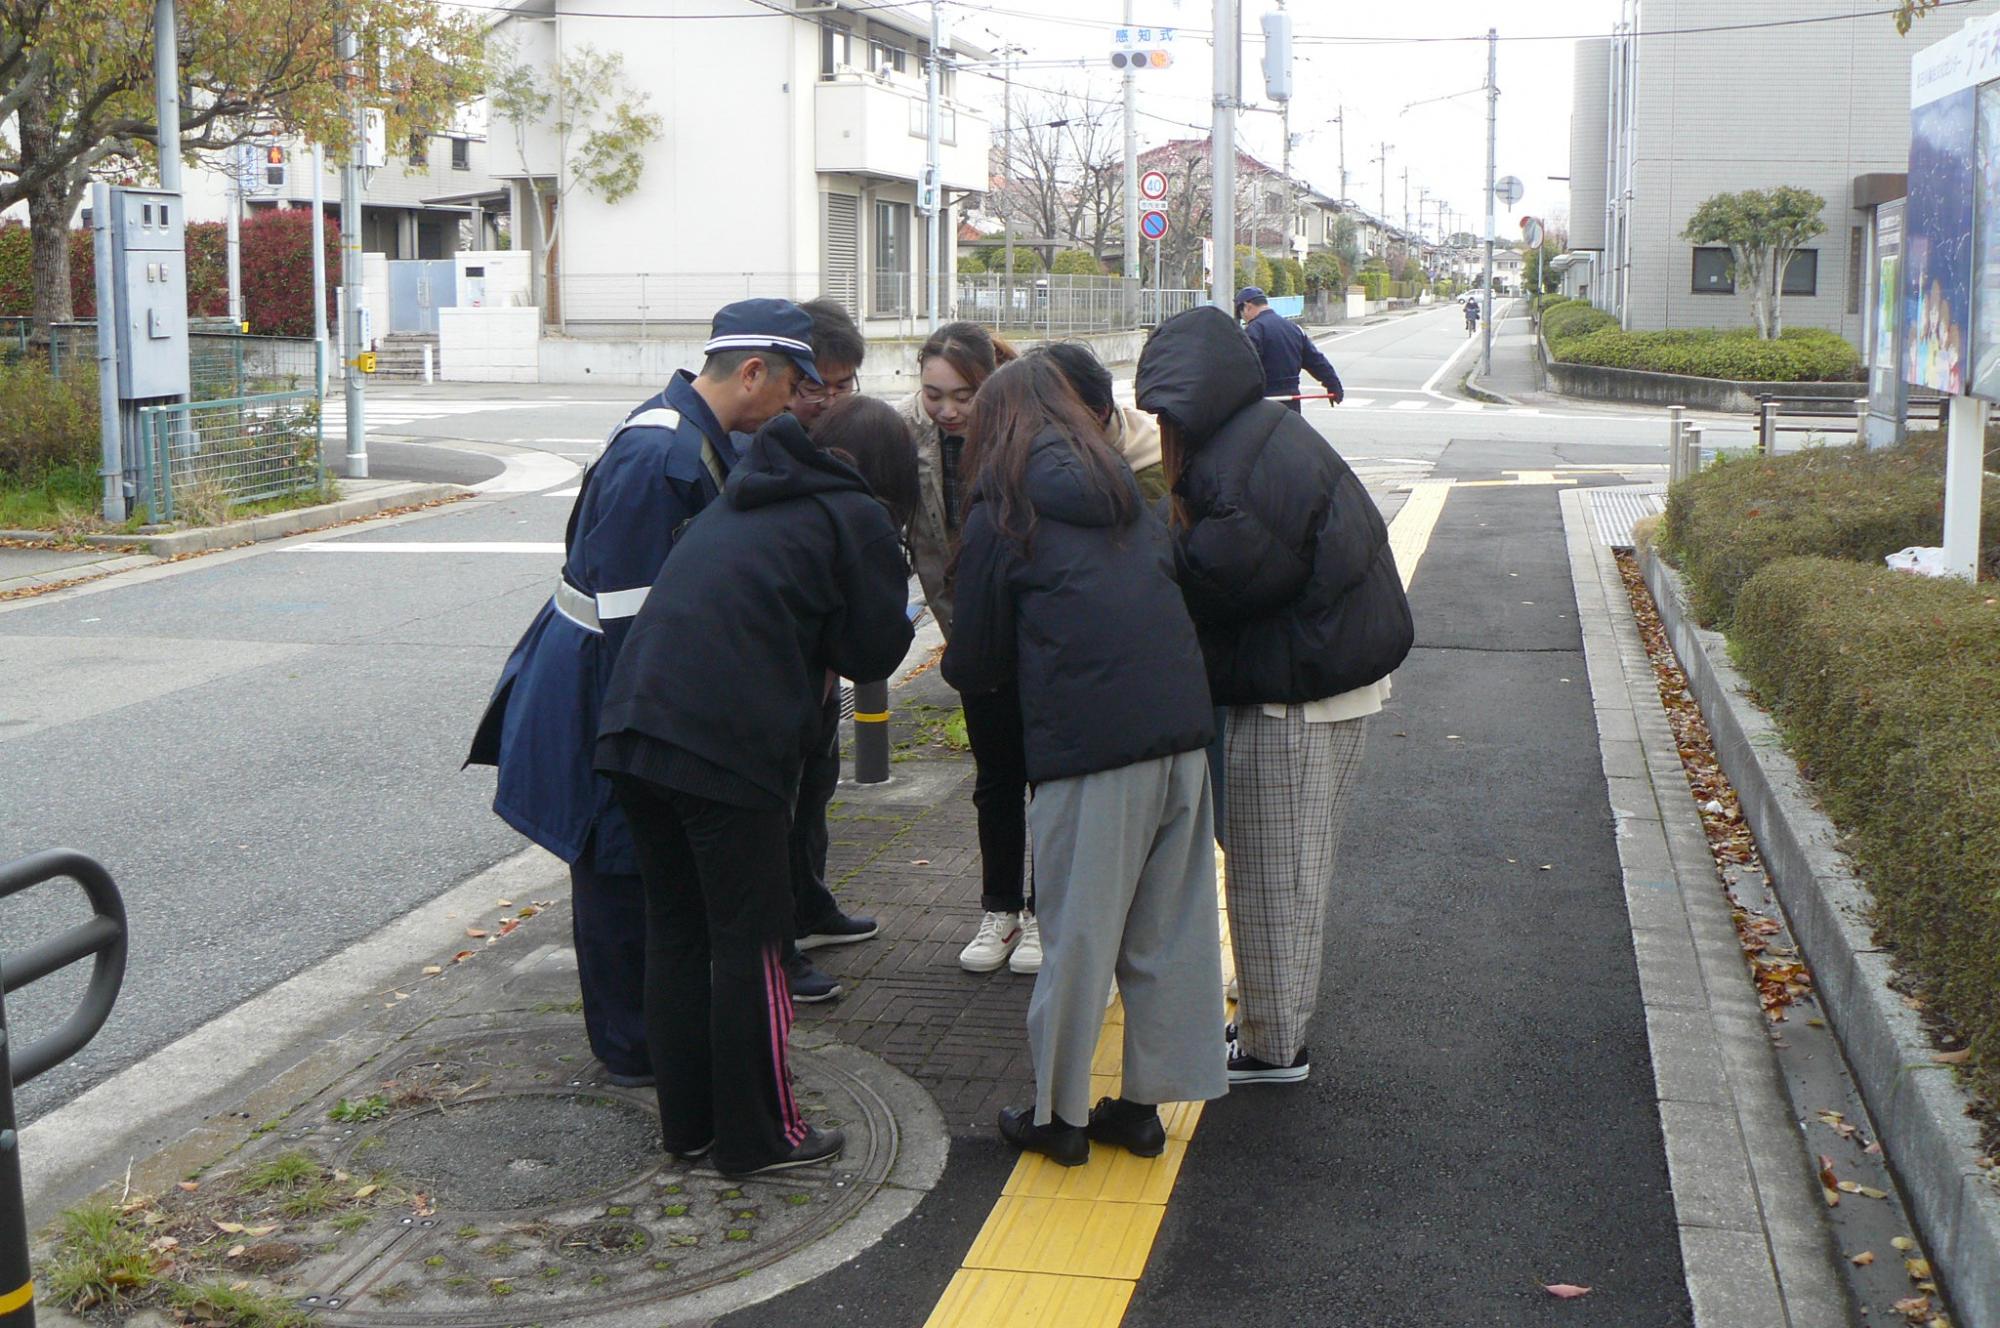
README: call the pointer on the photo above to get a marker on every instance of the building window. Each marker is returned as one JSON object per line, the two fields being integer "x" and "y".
{"x": 882, "y": 55}
{"x": 1802, "y": 273}
{"x": 1711, "y": 272}
{"x": 420, "y": 149}
{"x": 461, "y": 154}
{"x": 836, "y": 49}
{"x": 892, "y": 259}
{"x": 1713, "y": 277}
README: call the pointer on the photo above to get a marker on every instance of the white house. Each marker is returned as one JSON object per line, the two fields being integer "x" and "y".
{"x": 789, "y": 163}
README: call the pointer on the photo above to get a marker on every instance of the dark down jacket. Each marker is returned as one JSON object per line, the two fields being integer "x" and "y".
{"x": 1086, "y": 620}
{"x": 1285, "y": 563}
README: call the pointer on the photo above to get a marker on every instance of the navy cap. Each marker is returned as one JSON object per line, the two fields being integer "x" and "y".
{"x": 777, "y": 325}
{"x": 1251, "y": 295}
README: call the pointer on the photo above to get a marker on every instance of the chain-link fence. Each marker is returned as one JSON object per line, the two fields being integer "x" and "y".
{"x": 199, "y": 459}
{"x": 221, "y": 365}
{"x": 1157, "y": 306}
{"x": 14, "y": 338}
{"x": 71, "y": 346}
{"x": 1056, "y": 305}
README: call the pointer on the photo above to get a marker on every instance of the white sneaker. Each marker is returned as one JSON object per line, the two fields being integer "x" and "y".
{"x": 1027, "y": 956}
{"x": 998, "y": 934}
{"x": 1231, "y": 992}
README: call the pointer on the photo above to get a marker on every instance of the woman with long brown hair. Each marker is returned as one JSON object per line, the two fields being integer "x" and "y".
{"x": 1065, "y": 596}
{"x": 953, "y": 363}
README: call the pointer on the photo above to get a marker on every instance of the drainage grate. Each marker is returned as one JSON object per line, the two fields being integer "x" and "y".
{"x": 1615, "y": 511}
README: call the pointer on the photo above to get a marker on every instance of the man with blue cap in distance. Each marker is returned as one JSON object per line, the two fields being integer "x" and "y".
{"x": 1284, "y": 348}
{"x": 666, "y": 462}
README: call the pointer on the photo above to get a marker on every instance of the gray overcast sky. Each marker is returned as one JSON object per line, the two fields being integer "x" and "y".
{"x": 1368, "y": 84}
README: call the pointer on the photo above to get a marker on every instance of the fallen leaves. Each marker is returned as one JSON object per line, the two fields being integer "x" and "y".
{"x": 1565, "y": 1290}
{"x": 1863, "y": 1259}
{"x": 1904, "y": 1243}
{"x": 1959, "y": 1057}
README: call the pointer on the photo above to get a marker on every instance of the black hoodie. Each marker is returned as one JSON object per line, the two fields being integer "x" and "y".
{"x": 1286, "y": 563}
{"x": 1086, "y": 620}
{"x": 797, "y": 571}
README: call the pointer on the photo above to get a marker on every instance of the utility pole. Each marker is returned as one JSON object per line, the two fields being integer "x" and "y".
{"x": 1492, "y": 128}
{"x": 1007, "y": 168}
{"x": 931, "y": 194}
{"x": 1222, "y": 150}
{"x": 238, "y": 166}
{"x": 350, "y": 262}
{"x": 319, "y": 269}
{"x": 1131, "y": 163}
{"x": 1382, "y": 203}
{"x": 1340, "y": 122}
{"x": 1406, "y": 201}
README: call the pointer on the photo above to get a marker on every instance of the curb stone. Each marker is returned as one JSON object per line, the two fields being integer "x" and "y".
{"x": 1918, "y": 1107}
{"x": 277, "y": 525}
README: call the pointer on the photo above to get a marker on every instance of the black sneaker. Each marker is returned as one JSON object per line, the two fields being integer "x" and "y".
{"x": 642, "y": 1079}
{"x": 1132, "y": 1126}
{"x": 1247, "y": 1069}
{"x": 692, "y": 1154}
{"x": 840, "y": 929}
{"x": 1058, "y": 1141}
{"x": 817, "y": 1146}
{"x": 809, "y": 985}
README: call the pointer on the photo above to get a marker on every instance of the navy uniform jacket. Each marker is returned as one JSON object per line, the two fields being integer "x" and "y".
{"x": 662, "y": 466}
{"x": 1284, "y": 348}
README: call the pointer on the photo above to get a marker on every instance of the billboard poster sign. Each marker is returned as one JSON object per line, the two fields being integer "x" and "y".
{"x": 1951, "y": 245}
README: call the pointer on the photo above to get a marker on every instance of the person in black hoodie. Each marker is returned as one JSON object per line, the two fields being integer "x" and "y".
{"x": 797, "y": 576}
{"x": 1287, "y": 571}
{"x": 1064, "y": 592}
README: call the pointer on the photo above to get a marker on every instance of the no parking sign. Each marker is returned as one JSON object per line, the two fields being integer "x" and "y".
{"x": 1152, "y": 224}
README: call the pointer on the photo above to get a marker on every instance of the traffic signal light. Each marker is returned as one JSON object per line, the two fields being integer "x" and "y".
{"x": 1150, "y": 59}
{"x": 274, "y": 166}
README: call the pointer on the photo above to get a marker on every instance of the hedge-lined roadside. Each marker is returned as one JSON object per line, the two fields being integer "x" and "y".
{"x": 1580, "y": 334}
{"x": 1887, "y": 686}
{"x": 1728, "y": 522}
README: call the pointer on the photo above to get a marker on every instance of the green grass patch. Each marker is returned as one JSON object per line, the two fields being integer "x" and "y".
{"x": 373, "y": 1107}
{"x": 227, "y": 1305}
{"x": 64, "y": 498}
{"x": 290, "y": 1170}
{"x": 99, "y": 1260}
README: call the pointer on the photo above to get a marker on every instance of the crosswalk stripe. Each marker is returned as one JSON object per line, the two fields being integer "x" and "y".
{"x": 1355, "y": 403}
{"x": 1410, "y": 405}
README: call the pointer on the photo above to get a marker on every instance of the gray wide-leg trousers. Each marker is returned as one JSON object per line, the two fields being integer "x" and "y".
{"x": 1125, "y": 883}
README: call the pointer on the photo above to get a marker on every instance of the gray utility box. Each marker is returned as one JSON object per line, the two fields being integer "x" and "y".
{"x": 149, "y": 263}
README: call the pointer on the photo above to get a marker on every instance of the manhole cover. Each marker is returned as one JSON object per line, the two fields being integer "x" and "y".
{"x": 521, "y": 1150}
{"x": 546, "y": 1195}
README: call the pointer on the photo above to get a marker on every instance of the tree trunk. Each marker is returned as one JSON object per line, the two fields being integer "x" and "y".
{"x": 48, "y": 216}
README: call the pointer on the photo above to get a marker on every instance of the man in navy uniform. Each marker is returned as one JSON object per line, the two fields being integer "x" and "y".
{"x": 660, "y": 468}
{"x": 1284, "y": 348}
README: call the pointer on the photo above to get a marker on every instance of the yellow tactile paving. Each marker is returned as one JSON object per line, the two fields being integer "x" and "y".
{"x": 990, "y": 1298}
{"x": 1410, "y": 532}
{"x": 1071, "y": 1237}
{"x": 1111, "y": 1176}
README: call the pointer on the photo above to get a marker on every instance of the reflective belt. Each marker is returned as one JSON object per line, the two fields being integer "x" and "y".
{"x": 591, "y": 612}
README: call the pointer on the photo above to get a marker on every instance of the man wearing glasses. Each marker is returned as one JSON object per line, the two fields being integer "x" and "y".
{"x": 666, "y": 462}
{"x": 838, "y": 349}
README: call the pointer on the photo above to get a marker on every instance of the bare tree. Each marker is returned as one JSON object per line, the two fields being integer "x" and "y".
{"x": 1067, "y": 181}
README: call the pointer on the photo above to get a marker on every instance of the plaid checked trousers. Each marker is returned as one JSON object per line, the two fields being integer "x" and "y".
{"x": 1289, "y": 786}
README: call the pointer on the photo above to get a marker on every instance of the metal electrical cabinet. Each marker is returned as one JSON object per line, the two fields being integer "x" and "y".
{"x": 149, "y": 257}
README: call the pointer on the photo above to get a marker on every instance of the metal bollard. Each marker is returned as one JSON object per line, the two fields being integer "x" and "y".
{"x": 101, "y": 940}
{"x": 1861, "y": 420}
{"x": 427, "y": 362}
{"x": 1767, "y": 435}
{"x": 871, "y": 732}
{"x": 1691, "y": 450}
{"x": 1675, "y": 423}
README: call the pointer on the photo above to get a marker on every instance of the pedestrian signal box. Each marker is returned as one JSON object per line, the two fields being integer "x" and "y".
{"x": 274, "y": 166}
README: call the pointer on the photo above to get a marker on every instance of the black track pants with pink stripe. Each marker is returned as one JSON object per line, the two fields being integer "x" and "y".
{"x": 718, "y": 1012}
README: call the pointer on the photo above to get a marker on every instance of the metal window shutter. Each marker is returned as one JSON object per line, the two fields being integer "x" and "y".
{"x": 842, "y": 265}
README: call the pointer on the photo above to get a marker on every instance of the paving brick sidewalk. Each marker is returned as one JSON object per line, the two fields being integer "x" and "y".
{"x": 908, "y": 852}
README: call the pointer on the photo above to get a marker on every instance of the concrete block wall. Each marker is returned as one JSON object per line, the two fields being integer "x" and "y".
{"x": 490, "y": 345}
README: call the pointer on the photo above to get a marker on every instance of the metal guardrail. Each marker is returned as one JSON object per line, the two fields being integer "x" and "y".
{"x": 1823, "y": 415}
{"x": 224, "y": 452}
{"x": 102, "y": 940}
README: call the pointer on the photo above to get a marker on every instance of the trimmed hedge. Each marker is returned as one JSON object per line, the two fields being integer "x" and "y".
{"x": 1728, "y": 522}
{"x": 1888, "y": 689}
{"x": 1581, "y": 334}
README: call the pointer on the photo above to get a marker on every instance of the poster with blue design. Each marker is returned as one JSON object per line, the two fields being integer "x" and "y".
{"x": 1951, "y": 252}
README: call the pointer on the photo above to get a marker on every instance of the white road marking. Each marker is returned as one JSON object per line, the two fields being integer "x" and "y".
{"x": 564, "y": 493}
{"x": 429, "y": 546}
{"x": 1409, "y": 405}
{"x": 1357, "y": 403}
{"x": 530, "y": 472}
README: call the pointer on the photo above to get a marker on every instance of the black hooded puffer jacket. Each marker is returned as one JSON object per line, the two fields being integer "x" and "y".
{"x": 1286, "y": 564}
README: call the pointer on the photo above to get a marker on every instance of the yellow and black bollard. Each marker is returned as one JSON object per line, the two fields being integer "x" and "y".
{"x": 871, "y": 732}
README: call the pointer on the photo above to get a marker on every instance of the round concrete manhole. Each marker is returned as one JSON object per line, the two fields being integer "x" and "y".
{"x": 520, "y": 1150}
{"x": 541, "y": 1201}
